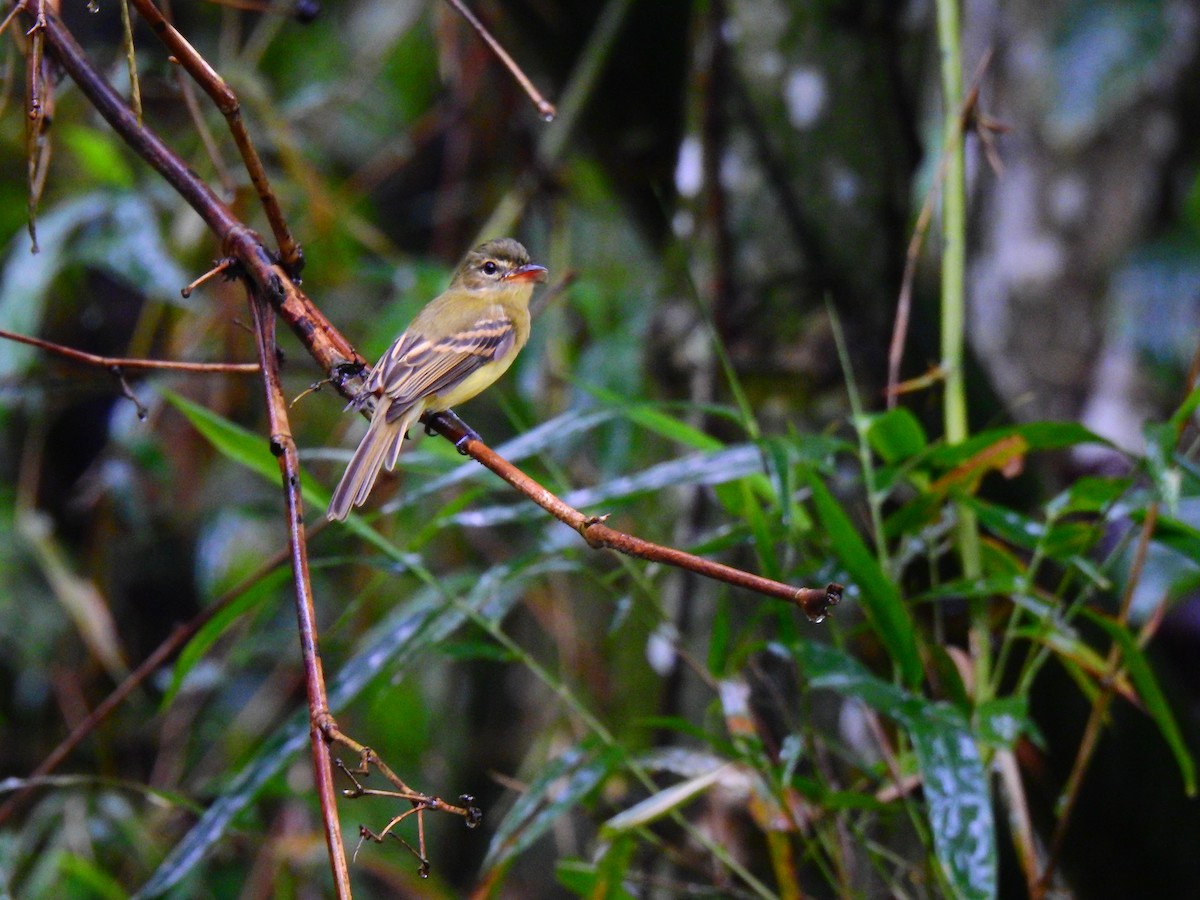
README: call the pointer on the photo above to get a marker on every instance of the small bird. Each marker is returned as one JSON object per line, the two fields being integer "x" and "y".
{"x": 459, "y": 344}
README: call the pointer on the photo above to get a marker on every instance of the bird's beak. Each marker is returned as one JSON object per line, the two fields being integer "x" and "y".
{"x": 528, "y": 272}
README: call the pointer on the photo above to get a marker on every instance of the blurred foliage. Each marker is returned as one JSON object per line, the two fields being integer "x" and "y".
{"x": 729, "y": 182}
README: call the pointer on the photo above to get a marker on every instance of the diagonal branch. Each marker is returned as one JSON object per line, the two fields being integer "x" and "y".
{"x": 815, "y": 602}
{"x": 227, "y": 102}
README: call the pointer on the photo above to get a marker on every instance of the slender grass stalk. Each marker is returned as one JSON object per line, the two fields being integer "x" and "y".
{"x": 953, "y": 314}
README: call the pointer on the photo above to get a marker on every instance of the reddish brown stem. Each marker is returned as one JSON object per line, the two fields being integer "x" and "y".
{"x": 816, "y": 602}
{"x": 123, "y": 362}
{"x": 284, "y": 448}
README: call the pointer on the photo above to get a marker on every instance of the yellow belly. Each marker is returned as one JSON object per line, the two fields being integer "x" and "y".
{"x": 479, "y": 380}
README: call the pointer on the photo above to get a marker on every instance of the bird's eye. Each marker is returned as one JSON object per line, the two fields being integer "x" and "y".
{"x": 490, "y": 267}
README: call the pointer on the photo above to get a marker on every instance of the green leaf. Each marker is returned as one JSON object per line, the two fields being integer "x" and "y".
{"x": 653, "y": 419}
{"x": 1142, "y": 676}
{"x": 195, "y": 649}
{"x": 612, "y": 869}
{"x": 1089, "y": 494}
{"x": 585, "y": 879}
{"x": 1186, "y": 409}
{"x": 99, "y": 155}
{"x": 1001, "y": 720}
{"x": 1037, "y": 435}
{"x": 714, "y": 468}
{"x": 952, "y": 771}
{"x": 896, "y": 435}
{"x": 1173, "y": 533}
{"x": 881, "y": 600}
{"x": 561, "y": 783}
{"x": 471, "y": 650}
{"x": 664, "y": 802}
{"x": 960, "y": 808}
{"x": 232, "y": 441}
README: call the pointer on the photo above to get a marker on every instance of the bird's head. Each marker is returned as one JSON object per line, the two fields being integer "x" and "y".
{"x": 502, "y": 261}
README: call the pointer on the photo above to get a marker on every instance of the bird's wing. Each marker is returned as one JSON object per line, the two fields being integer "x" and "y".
{"x": 415, "y": 367}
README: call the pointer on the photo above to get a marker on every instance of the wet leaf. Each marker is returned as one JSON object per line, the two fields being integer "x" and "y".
{"x": 952, "y": 771}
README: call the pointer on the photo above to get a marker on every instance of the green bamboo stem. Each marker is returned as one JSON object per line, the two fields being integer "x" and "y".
{"x": 953, "y": 311}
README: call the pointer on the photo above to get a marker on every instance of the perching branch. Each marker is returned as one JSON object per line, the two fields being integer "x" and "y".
{"x": 815, "y": 602}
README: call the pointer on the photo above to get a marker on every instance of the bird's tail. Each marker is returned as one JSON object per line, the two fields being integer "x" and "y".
{"x": 381, "y": 443}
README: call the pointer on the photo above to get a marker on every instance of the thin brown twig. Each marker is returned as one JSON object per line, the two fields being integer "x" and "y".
{"x": 12, "y": 14}
{"x": 40, "y": 98}
{"x": 122, "y": 362}
{"x": 284, "y": 447}
{"x": 229, "y": 105}
{"x": 544, "y": 107}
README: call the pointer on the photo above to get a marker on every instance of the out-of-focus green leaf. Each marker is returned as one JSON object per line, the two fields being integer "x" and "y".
{"x": 952, "y": 771}
{"x": 612, "y": 868}
{"x": 656, "y": 420}
{"x": 960, "y": 808}
{"x": 1037, "y": 435}
{"x": 881, "y": 600}
{"x": 1186, "y": 410}
{"x": 1174, "y": 533}
{"x": 719, "y": 467}
{"x": 98, "y": 153}
{"x": 26, "y": 278}
{"x": 1001, "y": 720}
{"x": 468, "y": 650}
{"x": 561, "y": 783}
{"x": 1089, "y": 494}
{"x": 232, "y": 441}
{"x": 1144, "y": 680}
{"x": 896, "y": 435}
{"x": 584, "y": 879}
{"x": 663, "y": 802}
{"x": 1165, "y": 472}
{"x": 1016, "y": 528}
{"x": 84, "y": 878}
{"x": 195, "y": 649}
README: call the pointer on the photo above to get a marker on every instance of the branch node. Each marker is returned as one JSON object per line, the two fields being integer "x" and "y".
{"x": 474, "y": 815}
